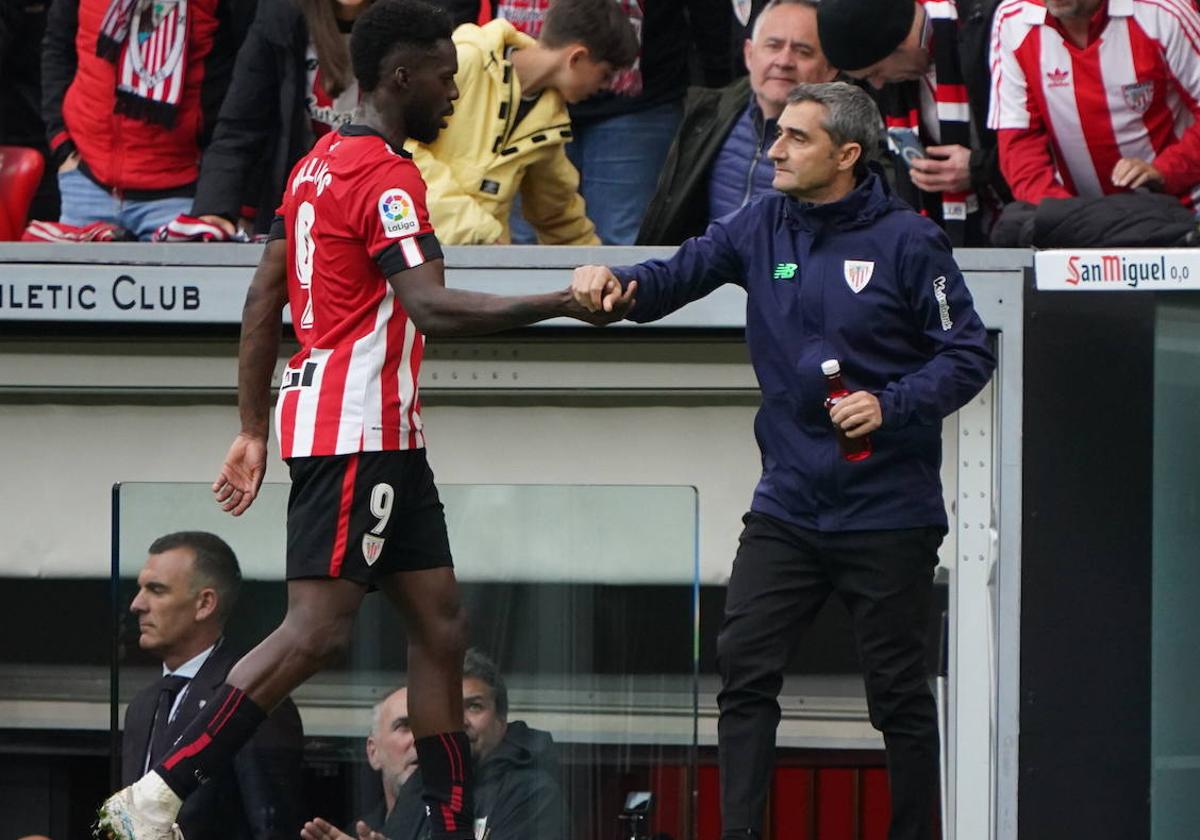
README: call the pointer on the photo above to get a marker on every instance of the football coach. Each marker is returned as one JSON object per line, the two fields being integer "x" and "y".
{"x": 834, "y": 267}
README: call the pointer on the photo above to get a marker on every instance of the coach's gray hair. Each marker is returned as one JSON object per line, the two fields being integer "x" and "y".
{"x": 851, "y": 114}
{"x": 754, "y": 27}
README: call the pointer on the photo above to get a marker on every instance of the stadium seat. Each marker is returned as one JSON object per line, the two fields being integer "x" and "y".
{"x": 20, "y": 172}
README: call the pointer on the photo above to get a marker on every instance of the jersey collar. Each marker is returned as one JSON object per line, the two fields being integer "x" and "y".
{"x": 359, "y": 130}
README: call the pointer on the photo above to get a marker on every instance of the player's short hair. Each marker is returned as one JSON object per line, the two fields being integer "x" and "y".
{"x": 599, "y": 25}
{"x": 478, "y": 665}
{"x": 215, "y": 565}
{"x": 390, "y": 25}
{"x": 851, "y": 114}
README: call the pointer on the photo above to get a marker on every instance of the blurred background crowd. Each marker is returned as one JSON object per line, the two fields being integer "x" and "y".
{"x": 1021, "y": 122}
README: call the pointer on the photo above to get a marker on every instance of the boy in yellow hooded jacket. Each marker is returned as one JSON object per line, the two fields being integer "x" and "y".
{"x": 510, "y": 124}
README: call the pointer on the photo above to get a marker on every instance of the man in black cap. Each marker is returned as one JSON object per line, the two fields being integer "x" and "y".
{"x": 928, "y": 62}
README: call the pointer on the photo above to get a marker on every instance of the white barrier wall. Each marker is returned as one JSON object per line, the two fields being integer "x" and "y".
{"x": 670, "y": 403}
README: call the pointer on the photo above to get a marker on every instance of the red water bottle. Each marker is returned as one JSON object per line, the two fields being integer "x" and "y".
{"x": 853, "y": 449}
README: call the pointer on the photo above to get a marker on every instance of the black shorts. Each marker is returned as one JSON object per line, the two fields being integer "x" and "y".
{"x": 364, "y": 516}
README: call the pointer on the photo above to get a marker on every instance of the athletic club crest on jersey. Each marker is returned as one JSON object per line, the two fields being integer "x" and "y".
{"x": 372, "y": 547}
{"x": 858, "y": 274}
{"x": 398, "y": 213}
{"x": 1138, "y": 96}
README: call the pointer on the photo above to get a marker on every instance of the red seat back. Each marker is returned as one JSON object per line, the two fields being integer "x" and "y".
{"x": 20, "y": 173}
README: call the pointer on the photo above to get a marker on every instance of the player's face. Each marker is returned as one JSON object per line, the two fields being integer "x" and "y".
{"x": 805, "y": 156}
{"x": 391, "y": 748}
{"x": 167, "y": 602}
{"x": 485, "y": 728}
{"x": 432, "y": 93}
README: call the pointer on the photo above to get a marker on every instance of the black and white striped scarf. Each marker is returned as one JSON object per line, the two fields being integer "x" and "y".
{"x": 957, "y": 212}
{"x": 147, "y": 40}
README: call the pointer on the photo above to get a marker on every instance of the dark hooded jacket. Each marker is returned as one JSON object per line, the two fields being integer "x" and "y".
{"x": 518, "y": 788}
{"x": 864, "y": 280}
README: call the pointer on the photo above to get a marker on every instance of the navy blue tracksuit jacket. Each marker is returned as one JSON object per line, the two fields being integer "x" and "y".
{"x": 909, "y": 334}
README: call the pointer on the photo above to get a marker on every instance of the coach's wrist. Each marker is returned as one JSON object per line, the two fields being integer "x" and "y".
{"x": 254, "y": 432}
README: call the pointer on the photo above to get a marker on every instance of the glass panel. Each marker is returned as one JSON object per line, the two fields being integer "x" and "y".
{"x": 585, "y": 597}
{"x": 1175, "y": 728}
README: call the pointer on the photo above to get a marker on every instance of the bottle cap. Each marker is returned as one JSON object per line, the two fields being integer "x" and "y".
{"x": 830, "y": 366}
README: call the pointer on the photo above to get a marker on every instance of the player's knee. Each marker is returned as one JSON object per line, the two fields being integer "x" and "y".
{"x": 448, "y": 633}
{"x": 321, "y": 643}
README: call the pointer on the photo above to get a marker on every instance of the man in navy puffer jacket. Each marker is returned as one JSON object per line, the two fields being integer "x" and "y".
{"x": 834, "y": 267}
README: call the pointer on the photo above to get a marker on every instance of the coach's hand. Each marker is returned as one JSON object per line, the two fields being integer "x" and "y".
{"x": 241, "y": 474}
{"x": 615, "y": 303}
{"x": 858, "y": 414}
{"x": 597, "y": 289}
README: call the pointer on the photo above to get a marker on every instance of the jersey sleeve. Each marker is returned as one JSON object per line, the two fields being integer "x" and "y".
{"x": 1175, "y": 24}
{"x": 396, "y": 226}
{"x": 1010, "y": 100}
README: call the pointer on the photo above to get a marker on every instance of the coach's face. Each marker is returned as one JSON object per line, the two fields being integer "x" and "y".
{"x": 432, "y": 92}
{"x": 168, "y": 604}
{"x": 807, "y": 161}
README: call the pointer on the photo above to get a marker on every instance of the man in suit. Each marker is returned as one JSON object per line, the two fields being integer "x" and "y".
{"x": 186, "y": 593}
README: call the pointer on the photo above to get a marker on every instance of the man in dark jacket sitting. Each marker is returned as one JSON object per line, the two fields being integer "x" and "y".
{"x": 719, "y": 161}
{"x": 518, "y": 794}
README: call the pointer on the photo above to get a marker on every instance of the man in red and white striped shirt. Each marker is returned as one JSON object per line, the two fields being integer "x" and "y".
{"x": 1094, "y": 97}
{"x": 357, "y": 259}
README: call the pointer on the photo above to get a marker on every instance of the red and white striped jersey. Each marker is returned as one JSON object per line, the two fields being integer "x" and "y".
{"x": 353, "y": 213}
{"x": 1131, "y": 92}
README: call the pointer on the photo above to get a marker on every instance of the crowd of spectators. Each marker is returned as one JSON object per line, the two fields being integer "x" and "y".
{"x": 180, "y": 120}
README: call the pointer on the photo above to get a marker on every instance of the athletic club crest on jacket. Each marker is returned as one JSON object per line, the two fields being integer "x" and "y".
{"x": 858, "y": 273}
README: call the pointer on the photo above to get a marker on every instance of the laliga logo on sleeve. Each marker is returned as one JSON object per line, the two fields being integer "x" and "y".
{"x": 398, "y": 213}
{"x": 858, "y": 274}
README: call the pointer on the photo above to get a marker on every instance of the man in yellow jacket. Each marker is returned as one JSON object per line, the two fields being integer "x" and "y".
{"x": 510, "y": 124}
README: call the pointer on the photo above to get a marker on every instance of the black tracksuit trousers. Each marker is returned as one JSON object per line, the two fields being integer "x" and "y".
{"x": 782, "y": 575}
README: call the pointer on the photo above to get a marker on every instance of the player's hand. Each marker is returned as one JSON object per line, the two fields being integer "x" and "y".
{"x": 319, "y": 829}
{"x": 70, "y": 164}
{"x": 592, "y": 284}
{"x": 615, "y": 304}
{"x": 220, "y": 221}
{"x": 858, "y": 414}
{"x": 241, "y": 474}
{"x": 945, "y": 169}
{"x": 1132, "y": 173}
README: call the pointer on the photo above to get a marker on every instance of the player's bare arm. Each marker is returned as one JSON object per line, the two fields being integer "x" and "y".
{"x": 245, "y": 465}
{"x": 441, "y": 312}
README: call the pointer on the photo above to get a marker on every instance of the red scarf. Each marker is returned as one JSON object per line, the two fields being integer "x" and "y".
{"x": 147, "y": 39}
